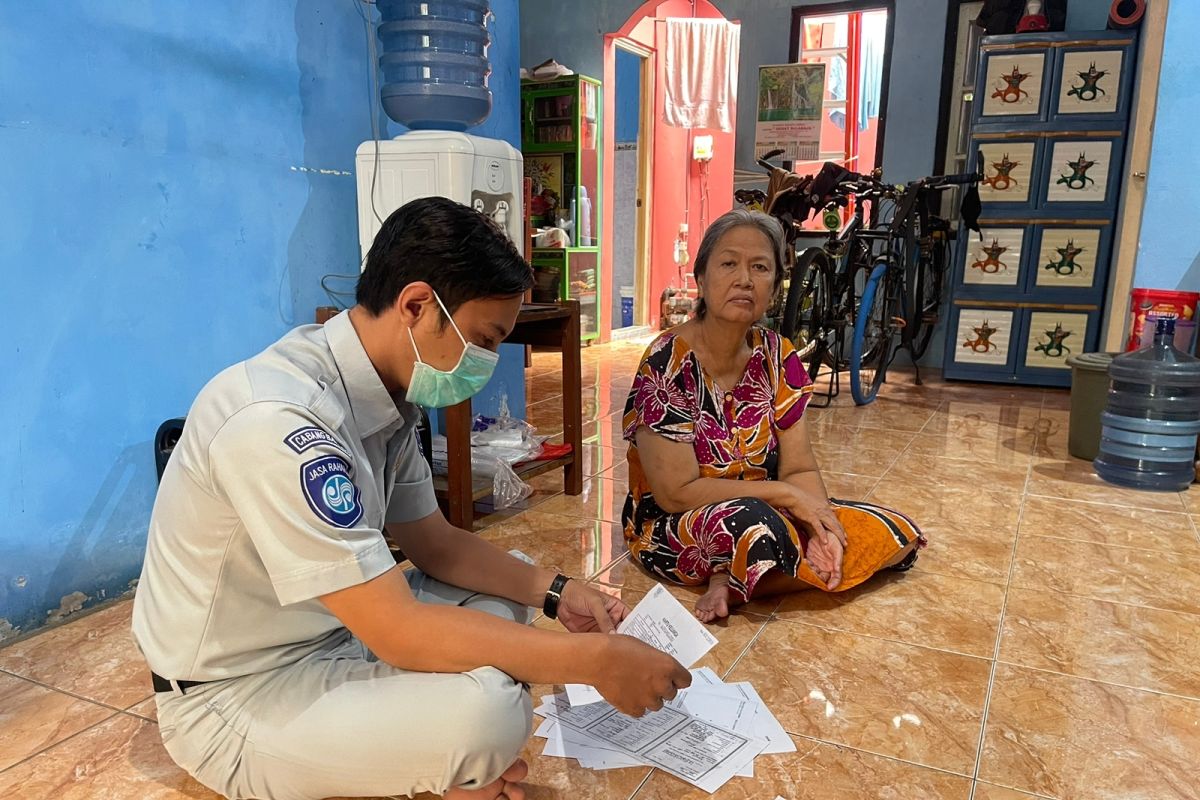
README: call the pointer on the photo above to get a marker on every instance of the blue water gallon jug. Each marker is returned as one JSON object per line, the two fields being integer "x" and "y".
{"x": 1148, "y": 438}
{"x": 434, "y": 63}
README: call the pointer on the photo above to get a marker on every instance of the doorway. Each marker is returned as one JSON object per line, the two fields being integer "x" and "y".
{"x": 631, "y": 190}
{"x": 853, "y": 40}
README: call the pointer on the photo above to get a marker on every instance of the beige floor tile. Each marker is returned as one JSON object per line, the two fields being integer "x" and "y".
{"x": 1168, "y": 581}
{"x": 912, "y": 703}
{"x": 1076, "y": 480}
{"x": 988, "y": 791}
{"x": 1117, "y": 526}
{"x": 1070, "y": 738}
{"x": 602, "y": 498}
{"x": 147, "y": 709}
{"x": 619, "y": 472}
{"x": 845, "y": 435}
{"x": 121, "y": 758}
{"x": 983, "y": 420}
{"x": 880, "y": 415}
{"x": 983, "y": 452}
{"x": 598, "y": 459}
{"x": 819, "y": 771}
{"x": 1047, "y": 440}
{"x": 946, "y": 473}
{"x": 560, "y": 778}
{"x": 850, "y": 456}
{"x": 1131, "y": 645}
{"x": 33, "y": 718}
{"x": 970, "y": 533}
{"x": 1191, "y": 499}
{"x": 576, "y": 547}
{"x": 845, "y": 486}
{"x": 93, "y": 656}
{"x": 1057, "y": 399}
{"x": 914, "y": 607}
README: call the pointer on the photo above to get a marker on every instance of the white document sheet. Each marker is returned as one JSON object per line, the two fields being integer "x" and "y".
{"x": 766, "y": 726}
{"x": 703, "y": 754}
{"x": 662, "y": 622}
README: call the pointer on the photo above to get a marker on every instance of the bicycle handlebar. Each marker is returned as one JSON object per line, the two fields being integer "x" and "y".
{"x": 955, "y": 180}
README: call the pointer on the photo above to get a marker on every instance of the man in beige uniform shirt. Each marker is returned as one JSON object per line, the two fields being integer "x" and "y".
{"x": 291, "y": 658}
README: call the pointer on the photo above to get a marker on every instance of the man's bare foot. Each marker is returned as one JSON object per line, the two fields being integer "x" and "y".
{"x": 714, "y": 604}
{"x": 506, "y": 787}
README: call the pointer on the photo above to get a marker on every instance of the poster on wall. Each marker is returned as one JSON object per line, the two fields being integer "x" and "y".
{"x": 546, "y": 173}
{"x": 1090, "y": 83}
{"x": 1014, "y": 84}
{"x": 995, "y": 260}
{"x": 789, "y": 111}
{"x": 1053, "y": 336}
{"x": 1080, "y": 172}
{"x": 983, "y": 336}
{"x": 1067, "y": 257}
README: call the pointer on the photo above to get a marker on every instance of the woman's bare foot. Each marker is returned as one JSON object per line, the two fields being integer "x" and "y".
{"x": 715, "y": 602}
{"x": 506, "y": 787}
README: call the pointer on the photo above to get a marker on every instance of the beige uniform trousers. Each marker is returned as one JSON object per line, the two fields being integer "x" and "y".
{"x": 340, "y": 722}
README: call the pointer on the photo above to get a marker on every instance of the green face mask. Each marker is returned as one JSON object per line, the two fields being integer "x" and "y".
{"x": 433, "y": 388}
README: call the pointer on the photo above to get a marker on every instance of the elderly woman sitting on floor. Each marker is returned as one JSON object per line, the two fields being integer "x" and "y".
{"x": 724, "y": 487}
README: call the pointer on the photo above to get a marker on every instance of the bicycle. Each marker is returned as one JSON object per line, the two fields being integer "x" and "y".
{"x": 827, "y": 285}
{"x": 903, "y": 292}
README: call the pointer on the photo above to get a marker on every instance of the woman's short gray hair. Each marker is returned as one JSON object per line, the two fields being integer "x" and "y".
{"x": 737, "y": 218}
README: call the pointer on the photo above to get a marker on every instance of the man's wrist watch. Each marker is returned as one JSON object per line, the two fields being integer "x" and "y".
{"x": 553, "y": 595}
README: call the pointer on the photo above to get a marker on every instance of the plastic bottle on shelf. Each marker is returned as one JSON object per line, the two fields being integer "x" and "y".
{"x": 1148, "y": 439}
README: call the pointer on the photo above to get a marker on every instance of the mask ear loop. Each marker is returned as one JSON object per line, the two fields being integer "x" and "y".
{"x": 416, "y": 349}
{"x": 453, "y": 324}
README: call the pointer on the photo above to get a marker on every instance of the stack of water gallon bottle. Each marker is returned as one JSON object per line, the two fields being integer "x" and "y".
{"x": 1152, "y": 418}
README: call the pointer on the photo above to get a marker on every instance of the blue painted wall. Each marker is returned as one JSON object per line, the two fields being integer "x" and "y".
{"x": 159, "y": 219}
{"x": 628, "y": 99}
{"x": 1169, "y": 247}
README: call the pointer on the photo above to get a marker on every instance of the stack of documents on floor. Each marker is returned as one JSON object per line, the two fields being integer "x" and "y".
{"x": 709, "y": 733}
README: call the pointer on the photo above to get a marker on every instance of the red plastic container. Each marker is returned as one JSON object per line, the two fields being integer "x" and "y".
{"x": 1152, "y": 303}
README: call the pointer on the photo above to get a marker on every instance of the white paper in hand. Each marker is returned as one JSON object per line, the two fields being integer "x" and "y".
{"x": 662, "y": 622}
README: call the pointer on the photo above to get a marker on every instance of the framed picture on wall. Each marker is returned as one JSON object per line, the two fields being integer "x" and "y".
{"x": 1008, "y": 170}
{"x": 984, "y": 336}
{"x": 1053, "y": 336}
{"x": 996, "y": 259}
{"x": 546, "y": 172}
{"x": 1013, "y": 84}
{"x": 1067, "y": 258}
{"x": 1078, "y": 172}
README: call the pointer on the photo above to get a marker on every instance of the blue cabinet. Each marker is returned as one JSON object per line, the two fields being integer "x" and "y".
{"x": 1048, "y": 131}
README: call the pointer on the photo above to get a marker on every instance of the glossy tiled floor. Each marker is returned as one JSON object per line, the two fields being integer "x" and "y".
{"x": 1044, "y": 646}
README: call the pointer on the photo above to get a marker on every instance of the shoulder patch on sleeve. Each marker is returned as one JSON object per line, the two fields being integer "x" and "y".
{"x": 302, "y": 439}
{"x": 330, "y": 492}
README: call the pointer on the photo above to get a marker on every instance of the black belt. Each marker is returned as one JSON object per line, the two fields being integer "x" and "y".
{"x": 161, "y": 684}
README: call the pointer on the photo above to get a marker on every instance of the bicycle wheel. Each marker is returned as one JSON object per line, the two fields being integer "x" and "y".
{"x": 871, "y": 347}
{"x": 924, "y": 296}
{"x": 805, "y": 310}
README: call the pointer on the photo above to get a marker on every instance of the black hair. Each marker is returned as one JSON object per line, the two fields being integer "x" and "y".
{"x": 737, "y": 218}
{"x": 463, "y": 254}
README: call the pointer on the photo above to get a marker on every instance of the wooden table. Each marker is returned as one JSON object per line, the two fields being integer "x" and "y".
{"x": 548, "y": 325}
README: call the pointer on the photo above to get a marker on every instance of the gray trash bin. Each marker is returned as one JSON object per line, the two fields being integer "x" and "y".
{"x": 1089, "y": 393}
